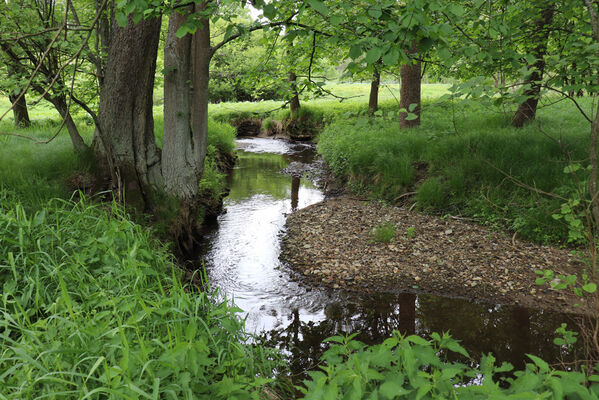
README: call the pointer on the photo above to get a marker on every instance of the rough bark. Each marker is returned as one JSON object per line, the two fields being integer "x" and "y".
{"x": 527, "y": 111}
{"x": 21, "y": 115}
{"x": 410, "y": 75}
{"x": 294, "y": 103}
{"x": 186, "y": 61}
{"x": 124, "y": 142}
{"x": 373, "y": 101}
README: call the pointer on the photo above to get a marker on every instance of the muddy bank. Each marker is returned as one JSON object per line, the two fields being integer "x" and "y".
{"x": 331, "y": 244}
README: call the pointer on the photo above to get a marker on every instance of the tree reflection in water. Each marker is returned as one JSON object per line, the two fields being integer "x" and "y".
{"x": 505, "y": 331}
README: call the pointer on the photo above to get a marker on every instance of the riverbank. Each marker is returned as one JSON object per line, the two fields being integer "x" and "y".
{"x": 332, "y": 243}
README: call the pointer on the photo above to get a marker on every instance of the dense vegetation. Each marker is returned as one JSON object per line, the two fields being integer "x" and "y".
{"x": 94, "y": 307}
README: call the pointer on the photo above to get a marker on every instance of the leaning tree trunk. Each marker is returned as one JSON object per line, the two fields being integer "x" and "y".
{"x": 373, "y": 101}
{"x": 124, "y": 143}
{"x": 61, "y": 106}
{"x": 410, "y": 75}
{"x": 294, "y": 103}
{"x": 21, "y": 115}
{"x": 186, "y": 61}
{"x": 528, "y": 109}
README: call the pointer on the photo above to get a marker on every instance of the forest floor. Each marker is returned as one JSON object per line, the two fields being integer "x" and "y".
{"x": 331, "y": 243}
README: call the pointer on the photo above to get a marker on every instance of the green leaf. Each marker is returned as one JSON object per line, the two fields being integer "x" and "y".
{"x": 590, "y": 287}
{"x": 121, "y": 19}
{"x": 392, "y": 390}
{"x": 540, "y": 281}
{"x": 374, "y": 55}
{"x": 319, "y": 6}
{"x": 375, "y": 12}
{"x": 355, "y": 51}
{"x": 543, "y": 366}
{"x": 269, "y": 11}
{"x": 418, "y": 340}
{"x": 391, "y": 57}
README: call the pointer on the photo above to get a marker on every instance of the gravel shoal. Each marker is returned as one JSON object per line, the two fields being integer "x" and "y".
{"x": 331, "y": 244}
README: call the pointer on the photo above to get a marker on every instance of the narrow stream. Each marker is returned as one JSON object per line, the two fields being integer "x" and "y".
{"x": 242, "y": 260}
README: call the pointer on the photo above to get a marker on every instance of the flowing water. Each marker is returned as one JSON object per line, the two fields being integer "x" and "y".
{"x": 242, "y": 260}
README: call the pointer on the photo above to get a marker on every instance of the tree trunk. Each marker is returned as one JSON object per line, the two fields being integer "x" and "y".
{"x": 373, "y": 101}
{"x": 19, "y": 110}
{"x": 528, "y": 109}
{"x": 124, "y": 143}
{"x": 186, "y": 61}
{"x": 61, "y": 106}
{"x": 294, "y": 103}
{"x": 410, "y": 94}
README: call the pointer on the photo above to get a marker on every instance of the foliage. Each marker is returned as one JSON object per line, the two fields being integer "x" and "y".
{"x": 414, "y": 368}
{"x": 431, "y": 194}
{"x": 93, "y": 307}
{"x": 467, "y": 160}
{"x": 245, "y": 70}
{"x": 383, "y": 233}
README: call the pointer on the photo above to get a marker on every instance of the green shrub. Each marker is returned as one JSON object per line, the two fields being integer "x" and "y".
{"x": 383, "y": 233}
{"x": 414, "y": 368}
{"x": 92, "y": 307}
{"x": 431, "y": 194}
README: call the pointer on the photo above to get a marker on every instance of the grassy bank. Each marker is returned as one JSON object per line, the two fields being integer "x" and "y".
{"x": 465, "y": 159}
{"x": 37, "y": 172}
{"x": 93, "y": 307}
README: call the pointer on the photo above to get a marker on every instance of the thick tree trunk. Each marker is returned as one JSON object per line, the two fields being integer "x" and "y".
{"x": 294, "y": 103}
{"x": 186, "y": 61}
{"x": 410, "y": 75}
{"x": 124, "y": 143}
{"x": 21, "y": 115}
{"x": 528, "y": 109}
{"x": 373, "y": 101}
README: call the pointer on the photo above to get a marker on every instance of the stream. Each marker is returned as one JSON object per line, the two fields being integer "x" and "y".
{"x": 242, "y": 260}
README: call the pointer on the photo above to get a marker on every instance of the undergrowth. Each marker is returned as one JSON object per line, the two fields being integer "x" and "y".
{"x": 471, "y": 168}
{"x": 93, "y": 307}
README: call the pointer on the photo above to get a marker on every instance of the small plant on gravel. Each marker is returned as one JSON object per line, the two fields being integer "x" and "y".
{"x": 410, "y": 233}
{"x": 383, "y": 233}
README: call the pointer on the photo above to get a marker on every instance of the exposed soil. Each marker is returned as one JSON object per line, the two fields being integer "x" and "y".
{"x": 331, "y": 244}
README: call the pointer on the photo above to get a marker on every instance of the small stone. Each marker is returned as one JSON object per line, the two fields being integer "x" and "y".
{"x": 448, "y": 232}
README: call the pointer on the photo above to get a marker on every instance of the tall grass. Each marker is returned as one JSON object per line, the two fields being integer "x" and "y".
{"x": 467, "y": 160}
{"x": 92, "y": 307}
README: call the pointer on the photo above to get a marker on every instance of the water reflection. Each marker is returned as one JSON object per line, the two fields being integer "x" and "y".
{"x": 242, "y": 260}
{"x": 502, "y": 330}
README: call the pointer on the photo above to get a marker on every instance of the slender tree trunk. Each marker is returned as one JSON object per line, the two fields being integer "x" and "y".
{"x": 21, "y": 115}
{"x": 61, "y": 106}
{"x": 124, "y": 143}
{"x": 528, "y": 109}
{"x": 411, "y": 77}
{"x": 373, "y": 101}
{"x": 186, "y": 61}
{"x": 294, "y": 104}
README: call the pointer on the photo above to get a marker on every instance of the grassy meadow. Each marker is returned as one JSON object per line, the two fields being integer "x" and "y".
{"x": 93, "y": 306}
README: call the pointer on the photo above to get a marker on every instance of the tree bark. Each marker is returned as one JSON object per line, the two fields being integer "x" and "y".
{"x": 294, "y": 103}
{"x": 527, "y": 111}
{"x": 124, "y": 143}
{"x": 61, "y": 106}
{"x": 373, "y": 101}
{"x": 21, "y": 115}
{"x": 186, "y": 61}
{"x": 410, "y": 75}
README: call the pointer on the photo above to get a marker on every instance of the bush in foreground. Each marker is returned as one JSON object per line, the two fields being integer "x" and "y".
{"x": 413, "y": 368}
{"x": 92, "y": 307}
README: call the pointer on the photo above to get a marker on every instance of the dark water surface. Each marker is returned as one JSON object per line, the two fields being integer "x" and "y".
{"x": 242, "y": 260}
